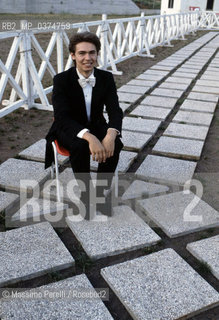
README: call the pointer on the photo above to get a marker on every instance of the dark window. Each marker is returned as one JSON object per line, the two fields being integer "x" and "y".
{"x": 210, "y": 5}
{"x": 171, "y": 4}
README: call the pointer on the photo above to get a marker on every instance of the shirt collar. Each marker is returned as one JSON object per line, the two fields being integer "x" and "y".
{"x": 82, "y": 77}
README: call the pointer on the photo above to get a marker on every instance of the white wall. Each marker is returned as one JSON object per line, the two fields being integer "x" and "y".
{"x": 216, "y": 5}
{"x": 183, "y": 5}
{"x": 165, "y": 9}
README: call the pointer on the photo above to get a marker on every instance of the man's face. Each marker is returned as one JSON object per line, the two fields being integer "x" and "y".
{"x": 86, "y": 57}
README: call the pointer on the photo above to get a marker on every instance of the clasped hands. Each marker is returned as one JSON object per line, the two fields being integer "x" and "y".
{"x": 101, "y": 150}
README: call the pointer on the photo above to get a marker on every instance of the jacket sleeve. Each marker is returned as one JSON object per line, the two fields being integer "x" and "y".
{"x": 62, "y": 106}
{"x": 113, "y": 109}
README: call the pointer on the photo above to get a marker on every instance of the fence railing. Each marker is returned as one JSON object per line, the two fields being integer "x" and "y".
{"x": 120, "y": 39}
{"x": 209, "y": 20}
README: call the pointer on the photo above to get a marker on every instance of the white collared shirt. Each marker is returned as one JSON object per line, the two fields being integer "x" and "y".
{"x": 87, "y": 97}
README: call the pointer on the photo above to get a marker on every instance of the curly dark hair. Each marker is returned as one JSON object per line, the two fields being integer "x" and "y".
{"x": 84, "y": 37}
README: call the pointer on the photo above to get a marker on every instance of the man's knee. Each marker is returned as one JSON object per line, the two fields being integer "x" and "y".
{"x": 80, "y": 146}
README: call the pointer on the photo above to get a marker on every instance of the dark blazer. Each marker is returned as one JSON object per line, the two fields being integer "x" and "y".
{"x": 70, "y": 114}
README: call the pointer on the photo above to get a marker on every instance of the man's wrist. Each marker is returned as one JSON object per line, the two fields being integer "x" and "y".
{"x": 82, "y": 132}
{"x": 88, "y": 136}
{"x": 112, "y": 132}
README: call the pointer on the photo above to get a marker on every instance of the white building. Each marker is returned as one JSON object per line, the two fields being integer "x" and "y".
{"x": 176, "y": 6}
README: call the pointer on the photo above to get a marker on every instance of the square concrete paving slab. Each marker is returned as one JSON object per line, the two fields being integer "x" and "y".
{"x": 166, "y": 170}
{"x": 207, "y": 250}
{"x": 156, "y": 72}
{"x": 133, "y": 89}
{"x": 126, "y": 158}
{"x": 146, "y": 83}
{"x": 172, "y": 58}
{"x": 60, "y": 300}
{"x": 180, "y": 213}
{"x": 7, "y": 200}
{"x": 206, "y": 76}
{"x": 177, "y": 86}
{"x": 178, "y": 55}
{"x": 171, "y": 61}
{"x": 202, "y": 106}
{"x": 36, "y": 152}
{"x": 67, "y": 183}
{"x": 163, "y": 67}
{"x": 184, "y": 75}
{"x": 124, "y": 106}
{"x": 31, "y": 251}
{"x": 122, "y": 232}
{"x": 179, "y": 148}
{"x": 167, "y": 93}
{"x": 178, "y": 80}
{"x": 186, "y": 52}
{"x": 193, "y": 63}
{"x": 141, "y": 125}
{"x": 149, "y": 77}
{"x": 208, "y": 83}
{"x": 135, "y": 141}
{"x": 166, "y": 64}
{"x": 198, "y": 58}
{"x": 128, "y": 97}
{"x": 151, "y": 112}
{"x": 184, "y": 69}
{"x": 208, "y": 89}
{"x": 13, "y": 172}
{"x": 203, "y": 97}
{"x": 212, "y": 74}
{"x": 38, "y": 210}
{"x": 193, "y": 117}
{"x": 212, "y": 67}
{"x": 186, "y": 131}
{"x": 163, "y": 102}
{"x": 160, "y": 285}
{"x": 189, "y": 68}
{"x": 140, "y": 188}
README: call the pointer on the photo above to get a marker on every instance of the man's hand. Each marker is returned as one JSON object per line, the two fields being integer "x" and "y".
{"x": 96, "y": 148}
{"x": 109, "y": 142}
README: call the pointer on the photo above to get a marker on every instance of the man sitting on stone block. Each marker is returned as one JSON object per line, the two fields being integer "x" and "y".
{"x": 79, "y": 96}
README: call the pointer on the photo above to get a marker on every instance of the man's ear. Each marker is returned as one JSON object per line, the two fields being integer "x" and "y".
{"x": 72, "y": 55}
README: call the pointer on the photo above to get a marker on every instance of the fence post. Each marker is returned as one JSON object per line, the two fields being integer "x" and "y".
{"x": 162, "y": 25}
{"x": 103, "y": 40}
{"x": 60, "y": 65}
{"x": 143, "y": 38}
{"x": 165, "y": 33}
{"x": 25, "y": 53}
{"x": 142, "y": 25}
{"x": 182, "y": 26}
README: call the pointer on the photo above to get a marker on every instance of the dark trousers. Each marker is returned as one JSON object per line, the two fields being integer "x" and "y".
{"x": 80, "y": 161}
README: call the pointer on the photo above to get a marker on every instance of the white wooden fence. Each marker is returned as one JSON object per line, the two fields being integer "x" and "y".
{"x": 209, "y": 20}
{"x": 120, "y": 39}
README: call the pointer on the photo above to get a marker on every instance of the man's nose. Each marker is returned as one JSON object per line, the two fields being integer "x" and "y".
{"x": 87, "y": 56}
